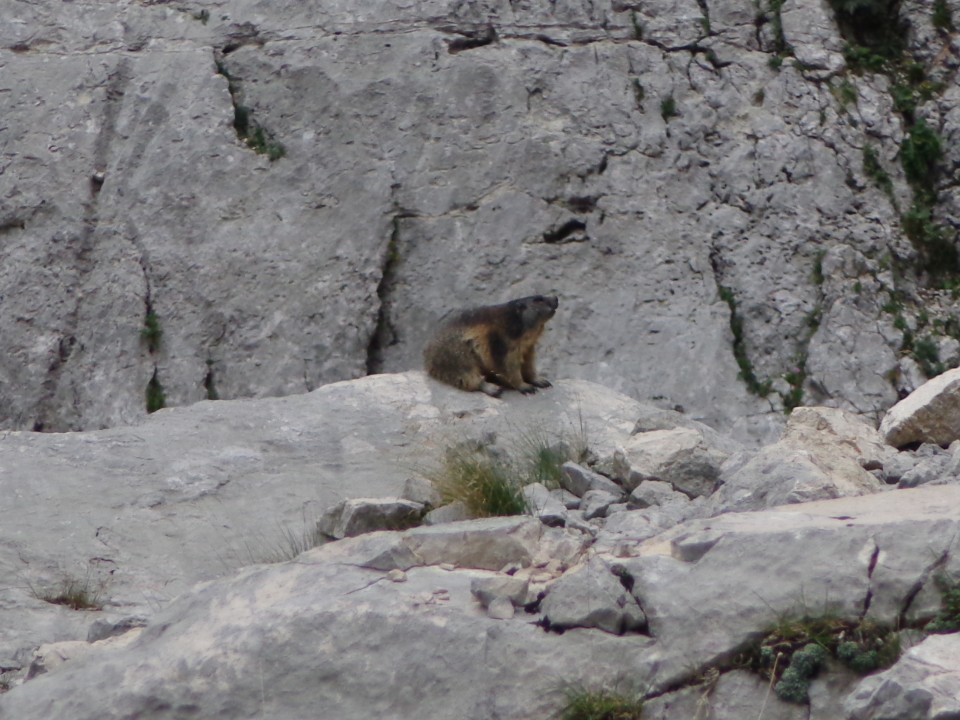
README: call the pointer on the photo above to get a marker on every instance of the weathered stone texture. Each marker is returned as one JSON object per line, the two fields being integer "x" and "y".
{"x": 438, "y": 155}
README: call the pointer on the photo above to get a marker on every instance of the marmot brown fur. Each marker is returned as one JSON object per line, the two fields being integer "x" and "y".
{"x": 493, "y": 347}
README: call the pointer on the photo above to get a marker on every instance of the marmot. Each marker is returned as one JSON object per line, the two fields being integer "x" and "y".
{"x": 490, "y": 348}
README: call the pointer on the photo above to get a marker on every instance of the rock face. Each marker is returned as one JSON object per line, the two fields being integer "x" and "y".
{"x": 471, "y": 619}
{"x": 235, "y": 200}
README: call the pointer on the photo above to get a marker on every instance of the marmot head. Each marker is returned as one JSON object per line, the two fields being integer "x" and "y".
{"x": 534, "y": 310}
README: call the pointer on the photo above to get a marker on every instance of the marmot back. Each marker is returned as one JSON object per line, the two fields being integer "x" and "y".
{"x": 492, "y": 347}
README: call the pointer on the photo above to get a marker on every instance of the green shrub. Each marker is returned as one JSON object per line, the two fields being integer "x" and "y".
{"x": 948, "y": 619}
{"x": 920, "y": 152}
{"x": 151, "y": 332}
{"x": 874, "y": 170}
{"x": 942, "y": 17}
{"x": 795, "y": 649}
{"x": 156, "y": 398}
{"x": 668, "y": 108}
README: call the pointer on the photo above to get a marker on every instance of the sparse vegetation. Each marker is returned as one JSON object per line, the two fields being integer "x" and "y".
{"x": 942, "y": 18}
{"x": 601, "y": 705}
{"x": 290, "y": 544}
{"x": 151, "y": 332}
{"x": 254, "y": 135}
{"x": 795, "y": 649}
{"x": 483, "y": 480}
{"x": 874, "y": 170}
{"x": 156, "y": 398}
{"x": 668, "y": 108}
{"x": 747, "y": 374}
{"x": 948, "y": 619}
{"x": 489, "y": 480}
{"x": 73, "y": 593}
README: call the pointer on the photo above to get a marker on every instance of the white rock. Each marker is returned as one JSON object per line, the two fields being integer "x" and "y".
{"x": 931, "y": 413}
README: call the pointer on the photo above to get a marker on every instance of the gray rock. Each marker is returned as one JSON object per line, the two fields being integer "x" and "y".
{"x": 923, "y": 685}
{"x": 489, "y": 588}
{"x": 579, "y": 480}
{"x": 451, "y": 512}
{"x": 420, "y": 490}
{"x": 487, "y": 544}
{"x": 700, "y": 573}
{"x": 353, "y": 628}
{"x": 595, "y": 503}
{"x": 656, "y": 493}
{"x": 544, "y": 505}
{"x": 592, "y": 596}
{"x": 822, "y": 454}
{"x": 102, "y": 628}
{"x": 501, "y": 609}
{"x": 679, "y": 457}
{"x": 731, "y": 696}
{"x": 357, "y": 516}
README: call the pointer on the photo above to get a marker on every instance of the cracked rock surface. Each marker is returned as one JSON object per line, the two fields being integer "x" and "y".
{"x": 196, "y": 531}
{"x": 298, "y": 194}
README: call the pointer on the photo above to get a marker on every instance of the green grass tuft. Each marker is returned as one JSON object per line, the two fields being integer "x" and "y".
{"x": 73, "y": 593}
{"x": 601, "y": 705}
{"x": 483, "y": 481}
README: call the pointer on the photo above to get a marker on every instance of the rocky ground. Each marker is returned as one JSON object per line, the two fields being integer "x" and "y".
{"x": 636, "y": 572}
{"x": 737, "y": 204}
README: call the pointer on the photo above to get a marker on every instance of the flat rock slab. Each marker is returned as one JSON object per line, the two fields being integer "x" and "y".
{"x": 142, "y": 513}
{"x": 282, "y": 641}
{"x": 733, "y": 576}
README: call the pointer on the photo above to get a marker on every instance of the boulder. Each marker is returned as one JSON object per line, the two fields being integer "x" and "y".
{"x": 680, "y": 457}
{"x": 923, "y": 685}
{"x": 362, "y": 515}
{"x": 592, "y": 596}
{"x": 823, "y": 453}
{"x": 579, "y": 480}
{"x": 544, "y": 505}
{"x": 930, "y": 414}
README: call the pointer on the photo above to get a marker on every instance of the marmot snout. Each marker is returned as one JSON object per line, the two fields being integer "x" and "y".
{"x": 492, "y": 347}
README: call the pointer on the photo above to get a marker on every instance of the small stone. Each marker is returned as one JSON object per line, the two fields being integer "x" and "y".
{"x": 397, "y": 575}
{"x": 501, "y": 609}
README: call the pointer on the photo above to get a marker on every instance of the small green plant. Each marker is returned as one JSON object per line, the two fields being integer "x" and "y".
{"x": 151, "y": 332}
{"x": 72, "y": 592}
{"x": 863, "y": 59}
{"x": 747, "y": 374}
{"x": 484, "y": 481}
{"x": 601, "y": 705}
{"x": 920, "y": 152}
{"x": 793, "y": 651}
{"x": 942, "y": 17}
{"x": 668, "y": 108}
{"x": 845, "y": 92}
{"x": 804, "y": 665}
{"x": 927, "y": 354}
{"x": 948, "y": 619}
{"x": 255, "y": 136}
{"x": 874, "y": 170}
{"x": 637, "y": 27}
{"x": 156, "y": 399}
